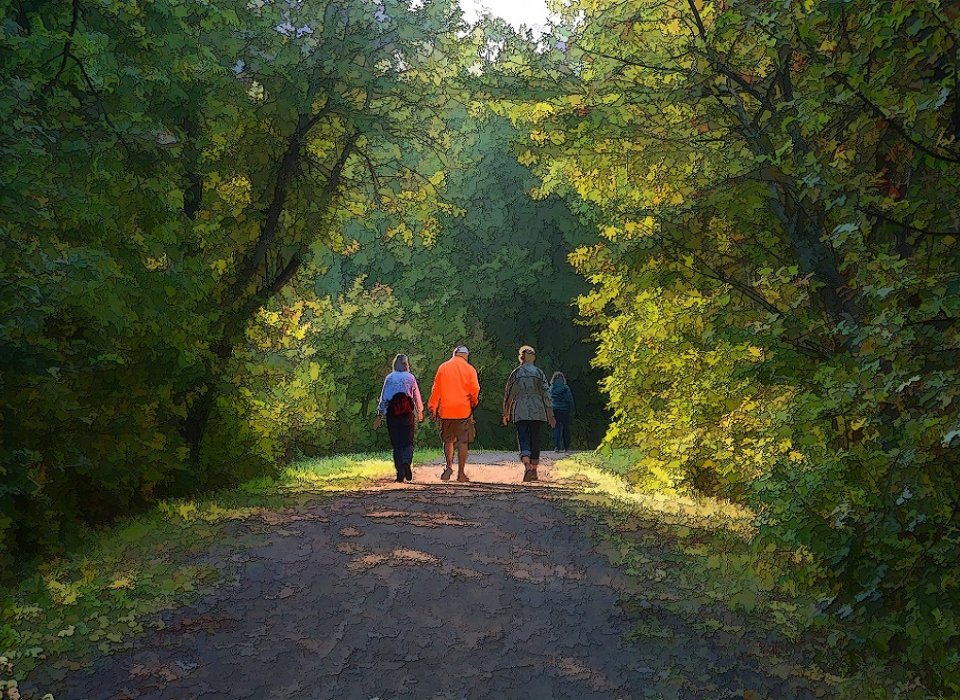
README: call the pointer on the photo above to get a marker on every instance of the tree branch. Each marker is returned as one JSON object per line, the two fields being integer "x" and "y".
{"x": 66, "y": 54}
{"x": 874, "y": 211}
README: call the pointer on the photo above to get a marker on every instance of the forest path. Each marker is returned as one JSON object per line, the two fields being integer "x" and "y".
{"x": 429, "y": 590}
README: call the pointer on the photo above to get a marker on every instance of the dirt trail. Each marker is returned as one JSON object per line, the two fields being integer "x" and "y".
{"x": 428, "y": 590}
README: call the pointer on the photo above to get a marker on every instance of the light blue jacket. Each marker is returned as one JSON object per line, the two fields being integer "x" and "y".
{"x": 396, "y": 383}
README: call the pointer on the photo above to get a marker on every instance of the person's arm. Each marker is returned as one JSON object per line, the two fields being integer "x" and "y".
{"x": 507, "y": 396}
{"x": 473, "y": 393}
{"x": 417, "y": 399}
{"x": 547, "y": 402}
{"x": 433, "y": 404}
{"x": 381, "y": 405}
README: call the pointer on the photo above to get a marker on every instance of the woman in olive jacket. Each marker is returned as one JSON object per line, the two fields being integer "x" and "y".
{"x": 526, "y": 402}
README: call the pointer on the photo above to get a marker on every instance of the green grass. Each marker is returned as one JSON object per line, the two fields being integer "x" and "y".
{"x": 695, "y": 558}
{"x": 99, "y": 597}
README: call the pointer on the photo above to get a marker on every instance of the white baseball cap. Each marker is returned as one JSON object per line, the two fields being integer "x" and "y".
{"x": 461, "y": 349}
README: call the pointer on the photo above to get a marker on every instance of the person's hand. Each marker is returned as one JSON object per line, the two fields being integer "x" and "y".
{"x": 433, "y": 416}
{"x": 552, "y": 421}
{"x": 420, "y": 417}
{"x": 378, "y": 421}
{"x": 506, "y": 420}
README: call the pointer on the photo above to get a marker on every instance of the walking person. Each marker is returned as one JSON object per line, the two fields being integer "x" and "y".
{"x": 400, "y": 402}
{"x": 563, "y": 409}
{"x": 455, "y": 393}
{"x": 526, "y": 402}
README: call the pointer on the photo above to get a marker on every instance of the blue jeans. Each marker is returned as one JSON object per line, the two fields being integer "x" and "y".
{"x": 528, "y": 439}
{"x": 561, "y": 431}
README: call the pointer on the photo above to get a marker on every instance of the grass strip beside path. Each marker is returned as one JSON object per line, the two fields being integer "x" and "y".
{"x": 693, "y": 563}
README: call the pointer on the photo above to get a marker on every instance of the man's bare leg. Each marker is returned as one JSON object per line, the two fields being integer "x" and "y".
{"x": 448, "y": 455}
{"x": 463, "y": 450}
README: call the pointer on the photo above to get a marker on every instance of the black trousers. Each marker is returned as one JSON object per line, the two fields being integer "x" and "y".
{"x": 561, "y": 431}
{"x": 528, "y": 439}
{"x": 401, "y": 430}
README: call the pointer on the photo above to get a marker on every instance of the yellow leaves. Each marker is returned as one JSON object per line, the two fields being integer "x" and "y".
{"x": 795, "y": 456}
{"x": 639, "y": 228}
{"x": 556, "y": 137}
{"x": 235, "y": 192}
{"x": 527, "y": 158}
{"x": 403, "y": 231}
{"x": 256, "y": 91}
{"x": 123, "y": 582}
{"x": 540, "y": 110}
{"x": 156, "y": 264}
{"x": 63, "y": 594}
{"x": 755, "y": 352}
{"x": 673, "y": 27}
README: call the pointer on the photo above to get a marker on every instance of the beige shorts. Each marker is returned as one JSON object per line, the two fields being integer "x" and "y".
{"x": 462, "y": 430}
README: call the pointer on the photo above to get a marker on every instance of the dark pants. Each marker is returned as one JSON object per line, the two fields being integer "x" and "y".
{"x": 528, "y": 439}
{"x": 561, "y": 431}
{"x": 401, "y": 437}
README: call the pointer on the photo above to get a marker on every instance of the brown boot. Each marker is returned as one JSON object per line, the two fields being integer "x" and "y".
{"x": 530, "y": 474}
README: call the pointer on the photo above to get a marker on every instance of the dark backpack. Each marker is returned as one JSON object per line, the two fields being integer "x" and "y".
{"x": 400, "y": 405}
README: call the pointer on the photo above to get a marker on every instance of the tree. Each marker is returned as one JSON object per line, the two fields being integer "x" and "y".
{"x": 776, "y": 292}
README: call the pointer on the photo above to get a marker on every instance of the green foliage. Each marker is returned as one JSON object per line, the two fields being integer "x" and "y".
{"x": 775, "y": 293}
{"x": 220, "y": 223}
{"x": 497, "y": 277}
{"x": 167, "y": 171}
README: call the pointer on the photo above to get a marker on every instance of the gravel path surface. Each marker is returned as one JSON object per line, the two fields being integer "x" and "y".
{"x": 427, "y": 590}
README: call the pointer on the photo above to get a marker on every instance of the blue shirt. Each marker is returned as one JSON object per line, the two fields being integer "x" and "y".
{"x": 562, "y": 397}
{"x": 397, "y": 383}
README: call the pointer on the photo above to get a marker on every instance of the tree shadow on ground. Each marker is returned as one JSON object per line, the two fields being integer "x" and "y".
{"x": 465, "y": 590}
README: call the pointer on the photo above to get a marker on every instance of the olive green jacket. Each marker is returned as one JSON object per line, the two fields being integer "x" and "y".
{"x": 527, "y": 395}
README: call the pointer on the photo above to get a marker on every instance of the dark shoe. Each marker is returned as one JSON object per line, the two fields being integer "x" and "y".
{"x": 408, "y": 472}
{"x": 447, "y": 473}
{"x": 530, "y": 475}
{"x": 462, "y": 478}
{"x": 399, "y": 477}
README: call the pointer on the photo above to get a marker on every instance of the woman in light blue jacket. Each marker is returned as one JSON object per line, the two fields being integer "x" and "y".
{"x": 400, "y": 402}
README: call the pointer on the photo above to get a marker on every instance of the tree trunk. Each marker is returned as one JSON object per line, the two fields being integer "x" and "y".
{"x": 231, "y": 329}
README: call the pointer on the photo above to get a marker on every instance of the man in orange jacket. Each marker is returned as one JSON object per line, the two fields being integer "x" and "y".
{"x": 455, "y": 393}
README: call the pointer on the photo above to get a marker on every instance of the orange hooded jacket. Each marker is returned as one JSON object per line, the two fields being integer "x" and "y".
{"x": 456, "y": 389}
